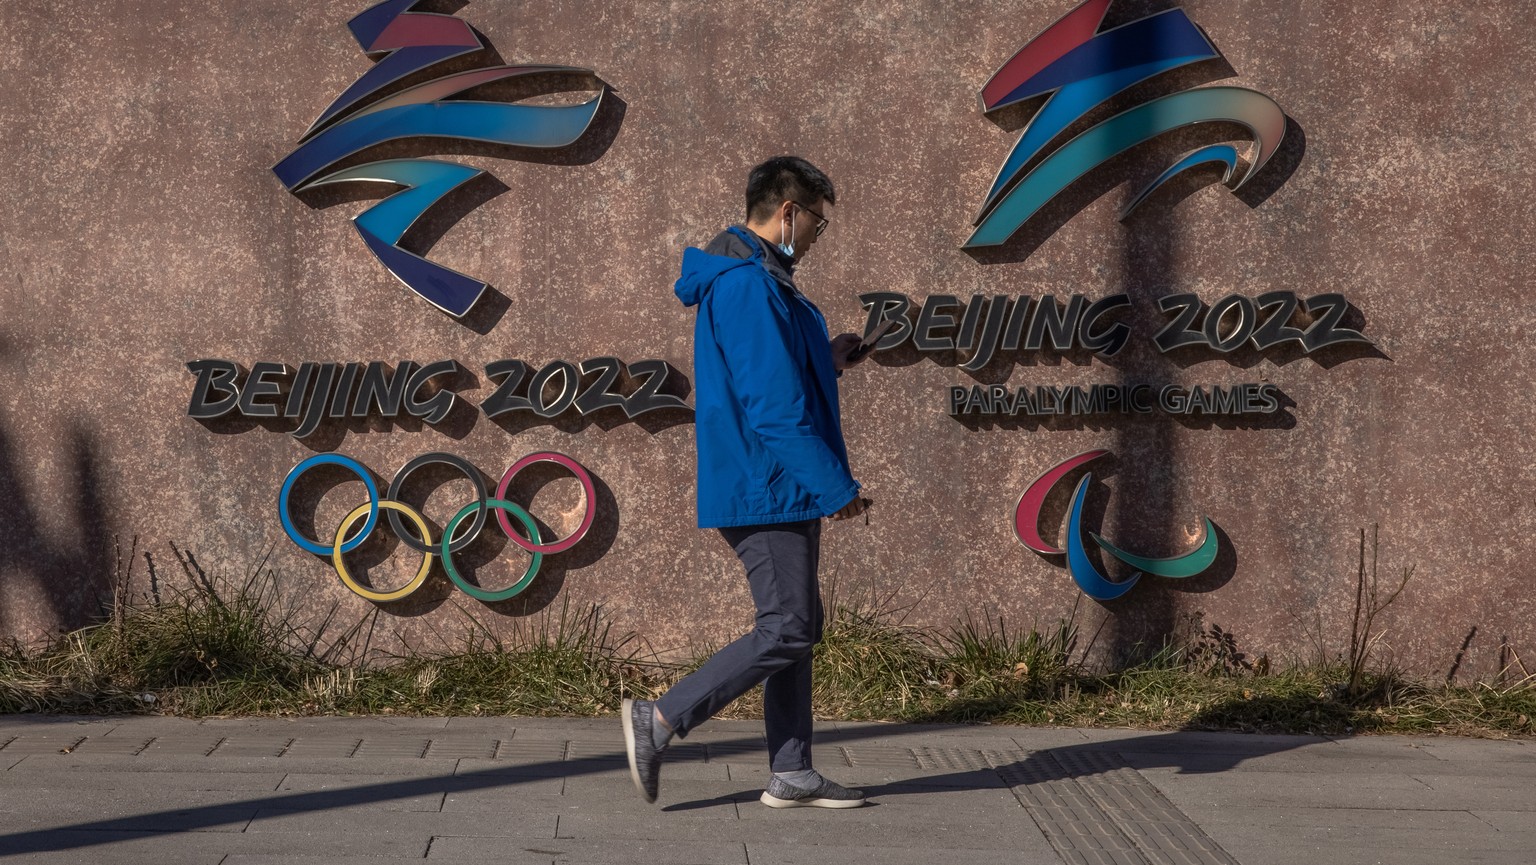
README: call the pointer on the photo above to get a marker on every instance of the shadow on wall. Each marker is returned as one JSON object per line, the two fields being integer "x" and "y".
{"x": 71, "y": 576}
{"x": 1146, "y": 507}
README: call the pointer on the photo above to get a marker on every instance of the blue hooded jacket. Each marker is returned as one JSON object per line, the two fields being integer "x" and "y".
{"x": 766, "y": 417}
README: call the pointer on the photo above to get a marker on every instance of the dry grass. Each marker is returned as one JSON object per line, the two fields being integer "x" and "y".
{"x": 217, "y": 647}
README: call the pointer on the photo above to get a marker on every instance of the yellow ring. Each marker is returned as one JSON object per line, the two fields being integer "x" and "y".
{"x": 354, "y": 585}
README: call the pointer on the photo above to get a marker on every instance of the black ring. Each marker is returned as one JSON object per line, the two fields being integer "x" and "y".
{"x": 469, "y": 471}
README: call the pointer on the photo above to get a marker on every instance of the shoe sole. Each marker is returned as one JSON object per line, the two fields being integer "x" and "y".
{"x": 776, "y": 802}
{"x": 629, "y": 746}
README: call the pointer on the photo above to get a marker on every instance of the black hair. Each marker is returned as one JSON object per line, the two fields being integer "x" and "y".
{"x": 785, "y": 178}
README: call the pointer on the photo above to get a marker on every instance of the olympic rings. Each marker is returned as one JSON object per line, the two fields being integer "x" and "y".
{"x": 354, "y": 585}
{"x": 454, "y": 540}
{"x": 479, "y": 594}
{"x": 586, "y": 487}
{"x": 347, "y": 463}
{"x": 469, "y": 471}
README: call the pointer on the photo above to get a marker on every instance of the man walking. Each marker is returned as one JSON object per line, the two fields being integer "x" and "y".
{"x": 772, "y": 465}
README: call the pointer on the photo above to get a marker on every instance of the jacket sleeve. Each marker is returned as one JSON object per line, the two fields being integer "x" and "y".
{"x": 756, "y": 336}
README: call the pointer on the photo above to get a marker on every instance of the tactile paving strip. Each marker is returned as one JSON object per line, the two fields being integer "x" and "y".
{"x": 1093, "y": 808}
{"x": 953, "y": 759}
{"x": 596, "y": 752}
{"x": 870, "y": 756}
{"x": 532, "y": 751}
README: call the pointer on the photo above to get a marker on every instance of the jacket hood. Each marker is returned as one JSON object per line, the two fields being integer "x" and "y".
{"x": 700, "y": 270}
{"x": 735, "y": 247}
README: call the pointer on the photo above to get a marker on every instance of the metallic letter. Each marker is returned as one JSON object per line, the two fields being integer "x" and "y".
{"x": 1113, "y": 338}
{"x": 213, "y": 377}
{"x": 1061, "y": 325}
{"x": 384, "y": 392}
{"x": 997, "y": 308}
{"x": 262, "y": 382}
{"x": 930, "y": 319}
{"x": 883, "y": 305}
{"x": 325, "y": 376}
{"x": 438, "y": 405}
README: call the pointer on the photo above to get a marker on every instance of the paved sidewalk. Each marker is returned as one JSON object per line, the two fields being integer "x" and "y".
{"x": 345, "y": 791}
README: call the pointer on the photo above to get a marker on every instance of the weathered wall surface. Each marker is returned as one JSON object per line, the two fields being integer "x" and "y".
{"x": 142, "y": 228}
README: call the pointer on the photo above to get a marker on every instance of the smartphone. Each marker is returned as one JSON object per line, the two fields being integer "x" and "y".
{"x": 867, "y": 344}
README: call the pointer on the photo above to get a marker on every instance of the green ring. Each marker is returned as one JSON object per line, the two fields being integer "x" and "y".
{"x": 476, "y": 592}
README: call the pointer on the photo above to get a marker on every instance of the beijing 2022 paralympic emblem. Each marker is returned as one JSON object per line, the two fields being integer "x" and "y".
{"x": 457, "y": 534}
{"x": 1076, "y": 68}
{"x": 1026, "y": 521}
{"x": 407, "y": 43}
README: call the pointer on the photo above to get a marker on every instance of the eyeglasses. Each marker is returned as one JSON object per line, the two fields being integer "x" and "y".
{"x": 821, "y": 221}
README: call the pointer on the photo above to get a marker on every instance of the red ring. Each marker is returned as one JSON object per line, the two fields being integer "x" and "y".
{"x": 587, "y": 488}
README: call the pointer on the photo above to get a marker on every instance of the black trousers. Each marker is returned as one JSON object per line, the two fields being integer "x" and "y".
{"x": 781, "y": 562}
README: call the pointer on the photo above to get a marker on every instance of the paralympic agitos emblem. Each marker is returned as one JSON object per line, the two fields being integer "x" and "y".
{"x": 1088, "y": 577}
{"x": 369, "y": 114}
{"x": 1076, "y": 68}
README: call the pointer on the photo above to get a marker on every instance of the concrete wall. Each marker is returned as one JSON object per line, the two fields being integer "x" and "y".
{"x": 142, "y": 229}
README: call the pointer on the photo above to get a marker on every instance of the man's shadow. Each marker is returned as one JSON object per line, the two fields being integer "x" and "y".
{"x": 1189, "y": 751}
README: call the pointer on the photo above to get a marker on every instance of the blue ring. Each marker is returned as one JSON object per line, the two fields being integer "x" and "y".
{"x": 347, "y": 463}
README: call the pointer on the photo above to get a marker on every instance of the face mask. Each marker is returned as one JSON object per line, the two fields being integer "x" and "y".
{"x": 789, "y": 247}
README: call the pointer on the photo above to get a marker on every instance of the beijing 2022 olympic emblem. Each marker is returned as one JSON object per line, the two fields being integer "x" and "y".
{"x": 366, "y": 115}
{"x": 1076, "y": 68}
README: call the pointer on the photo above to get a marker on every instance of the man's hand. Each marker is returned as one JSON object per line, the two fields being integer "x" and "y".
{"x": 858, "y": 506}
{"x": 843, "y": 347}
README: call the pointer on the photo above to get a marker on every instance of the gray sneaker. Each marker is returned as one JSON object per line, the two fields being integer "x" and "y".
{"x": 827, "y": 794}
{"x": 644, "y": 756}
